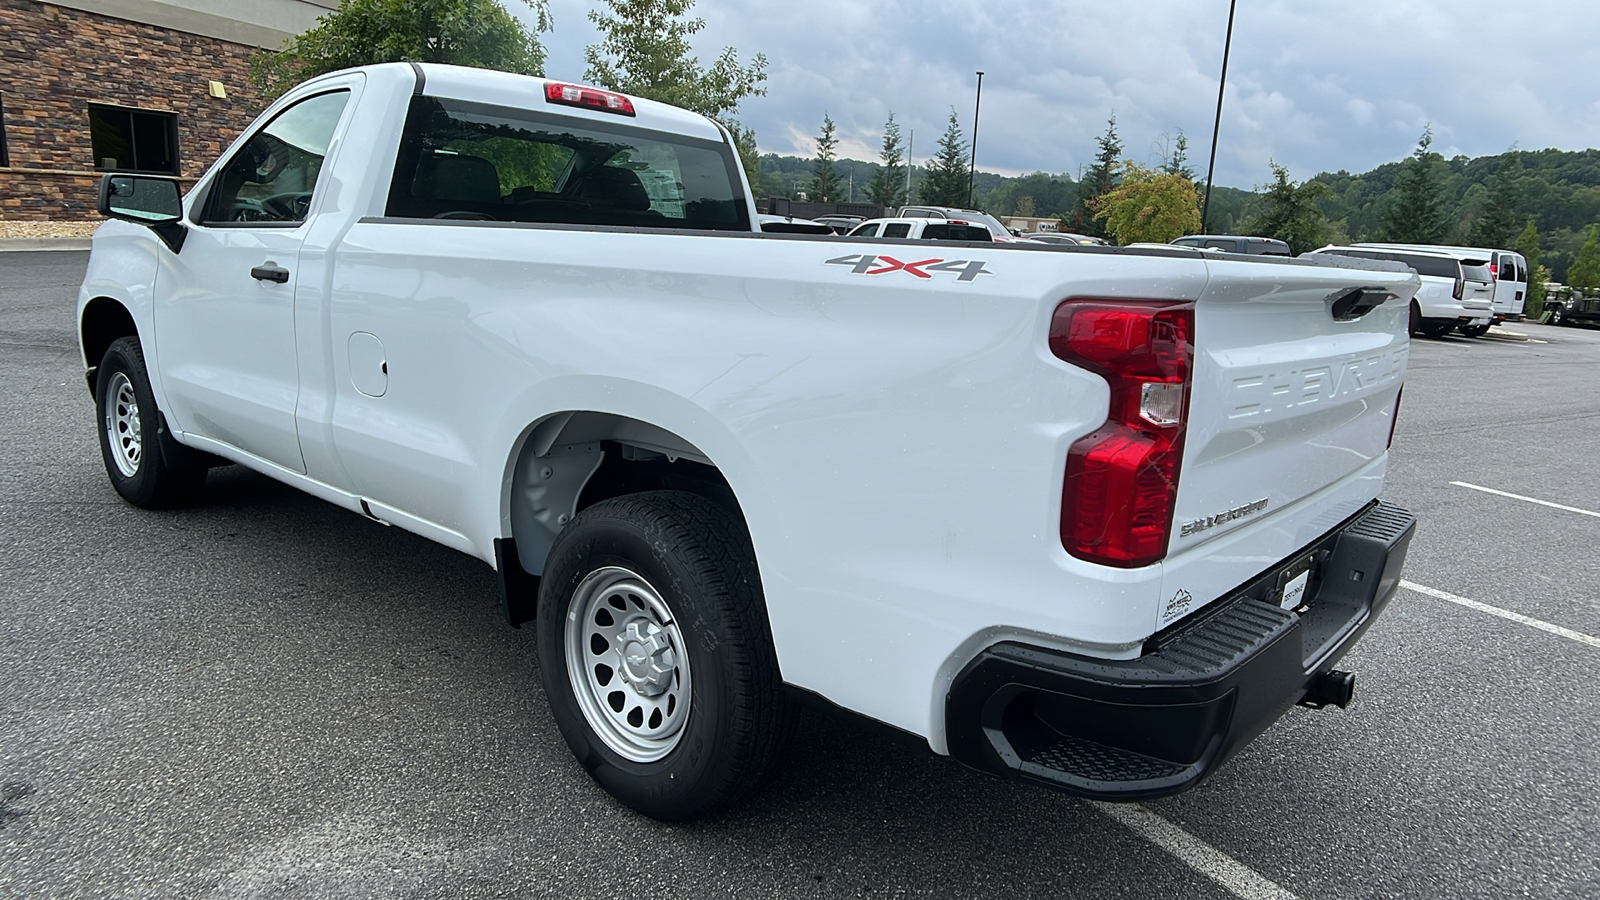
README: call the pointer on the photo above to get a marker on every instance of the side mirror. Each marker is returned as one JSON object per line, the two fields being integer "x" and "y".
{"x": 145, "y": 200}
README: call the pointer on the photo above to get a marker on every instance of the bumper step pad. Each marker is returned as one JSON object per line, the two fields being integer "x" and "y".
{"x": 1157, "y": 725}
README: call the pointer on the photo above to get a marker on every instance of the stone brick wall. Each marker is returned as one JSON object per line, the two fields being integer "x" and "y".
{"x": 54, "y": 62}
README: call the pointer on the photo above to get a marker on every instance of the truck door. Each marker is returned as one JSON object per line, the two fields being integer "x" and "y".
{"x": 224, "y": 305}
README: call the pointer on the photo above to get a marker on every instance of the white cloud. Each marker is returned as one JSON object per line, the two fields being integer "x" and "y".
{"x": 1316, "y": 86}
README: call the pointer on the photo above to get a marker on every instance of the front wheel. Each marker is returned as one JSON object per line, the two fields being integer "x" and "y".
{"x": 130, "y": 433}
{"x": 656, "y": 655}
{"x": 1558, "y": 316}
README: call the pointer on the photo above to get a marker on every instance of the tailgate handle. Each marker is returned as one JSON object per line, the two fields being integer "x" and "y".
{"x": 1352, "y": 304}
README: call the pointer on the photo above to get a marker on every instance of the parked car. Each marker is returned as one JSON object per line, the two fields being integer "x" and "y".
{"x": 841, "y": 224}
{"x": 1065, "y": 237}
{"x": 998, "y": 231}
{"x": 1508, "y": 271}
{"x": 1092, "y": 521}
{"x": 921, "y": 229}
{"x": 1444, "y": 303}
{"x": 791, "y": 225}
{"x": 1231, "y": 243}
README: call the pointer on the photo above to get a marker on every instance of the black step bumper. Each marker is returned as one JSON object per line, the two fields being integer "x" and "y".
{"x": 1159, "y": 724}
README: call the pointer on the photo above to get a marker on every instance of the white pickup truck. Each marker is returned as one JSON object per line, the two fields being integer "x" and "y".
{"x": 1084, "y": 516}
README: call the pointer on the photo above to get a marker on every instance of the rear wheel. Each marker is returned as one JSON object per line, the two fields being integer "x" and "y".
{"x": 1558, "y": 315}
{"x": 1474, "y": 330}
{"x": 1437, "y": 329}
{"x": 130, "y": 433}
{"x": 1416, "y": 318}
{"x": 656, "y": 655}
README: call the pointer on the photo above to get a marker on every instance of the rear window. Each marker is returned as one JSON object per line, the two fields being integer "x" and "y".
{"x": 1476, "y": 272}
{"x": 896, "y": 229}
{"x": 1222, "y": 245}
{"x": 463, "y": 160}
{"x": 1436, "y": 266}
{"x": 939, "y": 231}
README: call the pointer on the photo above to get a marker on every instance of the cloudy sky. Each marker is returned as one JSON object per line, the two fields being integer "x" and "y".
{"x": 1318, "y": 85}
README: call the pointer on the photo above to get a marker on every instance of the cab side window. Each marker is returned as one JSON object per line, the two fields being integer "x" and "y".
{"x": 271, "y": 179}
{"x": 897, "y": 230}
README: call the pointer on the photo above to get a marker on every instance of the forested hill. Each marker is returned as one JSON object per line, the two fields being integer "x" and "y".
{"x": 1558, "y": 189}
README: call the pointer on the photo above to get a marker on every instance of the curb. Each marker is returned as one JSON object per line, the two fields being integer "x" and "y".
{"x": 42, "y": 243}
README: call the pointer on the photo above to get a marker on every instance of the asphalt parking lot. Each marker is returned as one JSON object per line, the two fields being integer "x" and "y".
{"x": 264, "y": 696}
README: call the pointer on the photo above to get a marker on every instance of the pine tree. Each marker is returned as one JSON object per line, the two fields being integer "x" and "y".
{"x": 888, "y": 186}
{"x": 1098, "y": 180}
{"x": 1528, "y": 245}
{"x": 1493, "y": 228}
{"x": 947, "y": 181}
{"x": 1178, "y": 162}
{"x": 1416, "y": 213}
{"x": 1288, "y": 212}
{"x": 1584, "y": 273}
{"x": 825, "y": 180}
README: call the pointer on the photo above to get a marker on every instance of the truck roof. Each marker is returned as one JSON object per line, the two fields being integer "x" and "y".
{"x": 527, "y": 92}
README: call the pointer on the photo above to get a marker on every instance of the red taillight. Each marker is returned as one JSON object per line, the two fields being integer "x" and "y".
{"x": 1494, "y": 271}
{"x": 1122, "y": 480}
{"x": 1461, "y": 286}
{"x": 1394, "y": 417}
{"x": 587, "y": 98}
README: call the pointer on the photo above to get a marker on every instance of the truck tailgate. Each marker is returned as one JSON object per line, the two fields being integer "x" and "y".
{"x": 1286, "y": 399}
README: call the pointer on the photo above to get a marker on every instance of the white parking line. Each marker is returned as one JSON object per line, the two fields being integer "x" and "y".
{"x": 1531, "y": 622}
{"x": 1572, "y": 509}
{"x": 1238, "y": 878}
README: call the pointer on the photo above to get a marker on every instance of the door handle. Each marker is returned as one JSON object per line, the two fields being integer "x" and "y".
{"x": 270, "y": 272}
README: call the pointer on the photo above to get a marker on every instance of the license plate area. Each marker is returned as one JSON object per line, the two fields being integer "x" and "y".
{"x": 1293, "y": 591}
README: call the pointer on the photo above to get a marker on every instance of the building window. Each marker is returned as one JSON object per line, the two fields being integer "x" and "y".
{"x": 5, "y": 155}
{"x": 133, "y": 140}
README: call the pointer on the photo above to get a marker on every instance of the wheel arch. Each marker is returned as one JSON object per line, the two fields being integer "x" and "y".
{"x": 103, "y": 320}
{"x": 567, "y": 461}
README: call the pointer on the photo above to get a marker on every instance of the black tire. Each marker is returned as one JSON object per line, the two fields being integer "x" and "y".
{"x": 697, "y": 558}
{"x": 1558, "y": 315}
{"x": 1473, "y": 331}
{"x": 140, "y": 470}
{"x": 1416, "y": 318}
{"x": 1437, "y": 329}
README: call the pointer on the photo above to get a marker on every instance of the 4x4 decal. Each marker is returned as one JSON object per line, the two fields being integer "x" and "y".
{"x": 869, "y": 264}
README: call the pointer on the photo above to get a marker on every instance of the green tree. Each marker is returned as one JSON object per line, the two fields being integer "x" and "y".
{"x": 478, "y": 33}
{"x": 1528, "y": 245}
{"x": 1288, "y": 211}
{"x": 1178, "y": 161}
{"x": 1584, "y": 273}
{"x": 1098, "y": 180}
{"x": 888, "y": 185}
{"x": 946, "y": 183}
{"x": 1025, "y": 206}
{"x": 1493, "y": 227}
{"x": 644, "y": 51}
{"x": 1148, "y": 205}
{"x": 825, "y": 180}
{"x": 1416, "y": 210}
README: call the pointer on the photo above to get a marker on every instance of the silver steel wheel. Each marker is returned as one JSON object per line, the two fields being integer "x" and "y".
{"x": 122, "y": 425}
{"x": 627, "y": 662}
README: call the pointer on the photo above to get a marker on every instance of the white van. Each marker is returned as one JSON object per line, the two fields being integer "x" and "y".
{"x": 1508, "y": 269}
{"x": 1450, "y": 298}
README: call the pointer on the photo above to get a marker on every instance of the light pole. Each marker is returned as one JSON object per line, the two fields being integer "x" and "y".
{"x": 1227, "y": 44}
{"x": 972, "y": 170}
{"x": 910, "y": 143}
